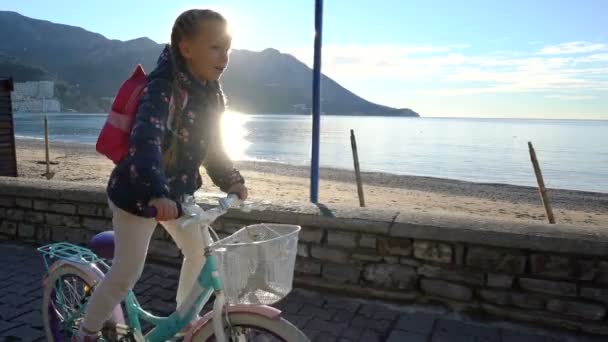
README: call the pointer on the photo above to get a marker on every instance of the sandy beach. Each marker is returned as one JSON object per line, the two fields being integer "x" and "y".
{"x": 81, "y": 163}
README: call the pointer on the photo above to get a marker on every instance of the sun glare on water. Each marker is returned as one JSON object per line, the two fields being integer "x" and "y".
{"x": 234, "y": 134}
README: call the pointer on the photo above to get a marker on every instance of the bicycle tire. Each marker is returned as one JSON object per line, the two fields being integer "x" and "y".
{"x": 48, "y": 305}
{"x": 279, "y": 327}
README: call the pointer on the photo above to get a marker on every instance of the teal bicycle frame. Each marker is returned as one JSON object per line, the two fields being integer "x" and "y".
{"x": 209, "y": 281}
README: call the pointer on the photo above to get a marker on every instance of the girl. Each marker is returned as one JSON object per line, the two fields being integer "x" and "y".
{"x": 177, "y": 128}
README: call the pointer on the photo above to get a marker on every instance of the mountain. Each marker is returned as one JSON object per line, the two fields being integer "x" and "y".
{"x": 94, "y": 66}
{"x": 273, "y": 82}
{"x": 22, "y": 72}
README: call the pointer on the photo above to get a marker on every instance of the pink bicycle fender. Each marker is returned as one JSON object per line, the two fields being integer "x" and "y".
{"x": 260, "y": 310}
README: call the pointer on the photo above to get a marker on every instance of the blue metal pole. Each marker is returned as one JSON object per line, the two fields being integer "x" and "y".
{"x": 316, "y": 103}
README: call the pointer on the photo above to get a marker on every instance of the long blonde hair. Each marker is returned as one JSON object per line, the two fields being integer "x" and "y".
{"x": 186, "y": 26}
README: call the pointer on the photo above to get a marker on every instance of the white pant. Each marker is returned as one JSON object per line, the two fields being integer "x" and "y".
{"x": 132, "y": 236}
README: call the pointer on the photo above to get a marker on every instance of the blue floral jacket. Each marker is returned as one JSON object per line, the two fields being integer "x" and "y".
{"x": 140, "y": 176}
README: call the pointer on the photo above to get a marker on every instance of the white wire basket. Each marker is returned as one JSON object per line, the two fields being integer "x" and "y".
{"x": 257, "y": 263}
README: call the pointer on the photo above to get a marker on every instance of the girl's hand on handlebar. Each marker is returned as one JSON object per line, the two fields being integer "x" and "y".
{"x": 166, "y": 209}
{"x": 239, "y": 189}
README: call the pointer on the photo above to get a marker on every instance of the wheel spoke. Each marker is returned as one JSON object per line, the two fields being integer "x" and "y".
{"x": 250, "y": 334}
{"x": 73, "y": 291}
{"x": 67, "y": 299}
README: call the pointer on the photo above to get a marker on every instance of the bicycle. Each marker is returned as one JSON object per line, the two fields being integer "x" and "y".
{"x": 247, "y": 271}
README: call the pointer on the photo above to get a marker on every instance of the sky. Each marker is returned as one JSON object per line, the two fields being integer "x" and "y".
{"x": 441, "y": 58}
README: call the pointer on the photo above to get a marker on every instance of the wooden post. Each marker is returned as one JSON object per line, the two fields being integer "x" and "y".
{"x": 353, "y": 143}
{"x": 541, "y": 185}
{"x": 8, "y": 157}
{"x": 46, "y": 148}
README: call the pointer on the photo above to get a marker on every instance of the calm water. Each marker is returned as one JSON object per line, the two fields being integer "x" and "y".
{"x": 573, "y": 154}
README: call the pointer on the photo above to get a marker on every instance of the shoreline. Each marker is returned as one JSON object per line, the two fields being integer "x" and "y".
{"x": 379, "y": 178}
{"x": 277, "y": 181}
{"x": 431, "y": 184}
{"x": 498, "y": 118}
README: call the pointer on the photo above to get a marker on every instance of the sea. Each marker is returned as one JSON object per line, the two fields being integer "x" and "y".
{"x": 573, "y": 154}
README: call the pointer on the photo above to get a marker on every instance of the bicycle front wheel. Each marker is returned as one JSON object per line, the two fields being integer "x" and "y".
{"x": 251, "y": 328}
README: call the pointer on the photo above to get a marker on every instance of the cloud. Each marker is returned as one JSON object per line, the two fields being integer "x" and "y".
{"x": 573, "y": 48}
{"x": 454, "y": 71}
{"x": 393, "y": 62}
{"x": 600, "y": 57}
{"x": 566, "y": 97}
{"x": 372, "y": 54}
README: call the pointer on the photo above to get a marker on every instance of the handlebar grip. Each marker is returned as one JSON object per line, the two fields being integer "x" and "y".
{"x": 151, "y": 212}
{"x": 229, "y": 201}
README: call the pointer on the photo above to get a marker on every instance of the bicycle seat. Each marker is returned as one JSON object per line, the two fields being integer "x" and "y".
{"x": 102, "y": 244}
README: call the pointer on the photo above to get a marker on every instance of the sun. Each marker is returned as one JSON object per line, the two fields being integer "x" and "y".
{"x": 234, "y": 134}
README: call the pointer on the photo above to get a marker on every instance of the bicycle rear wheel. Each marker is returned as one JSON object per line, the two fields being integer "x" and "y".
{"x": 253, "y": 328}
{"x": 65, "y": 292}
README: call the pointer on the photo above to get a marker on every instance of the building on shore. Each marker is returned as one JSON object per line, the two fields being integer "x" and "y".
{"x": 35, "y": 96}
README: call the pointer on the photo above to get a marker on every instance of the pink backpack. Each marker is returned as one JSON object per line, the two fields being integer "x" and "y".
{"x": 113, "y": 140}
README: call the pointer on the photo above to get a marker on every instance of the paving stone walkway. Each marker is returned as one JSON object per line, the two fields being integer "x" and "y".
{"x": 324, "y": 318}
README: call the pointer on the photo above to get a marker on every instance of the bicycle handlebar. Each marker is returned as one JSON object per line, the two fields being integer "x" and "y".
{"x": 225, "y": 204}
{"x": 229, "y": 201}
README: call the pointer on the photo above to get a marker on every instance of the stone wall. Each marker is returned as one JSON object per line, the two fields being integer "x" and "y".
{"x": 553, "y": 275}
